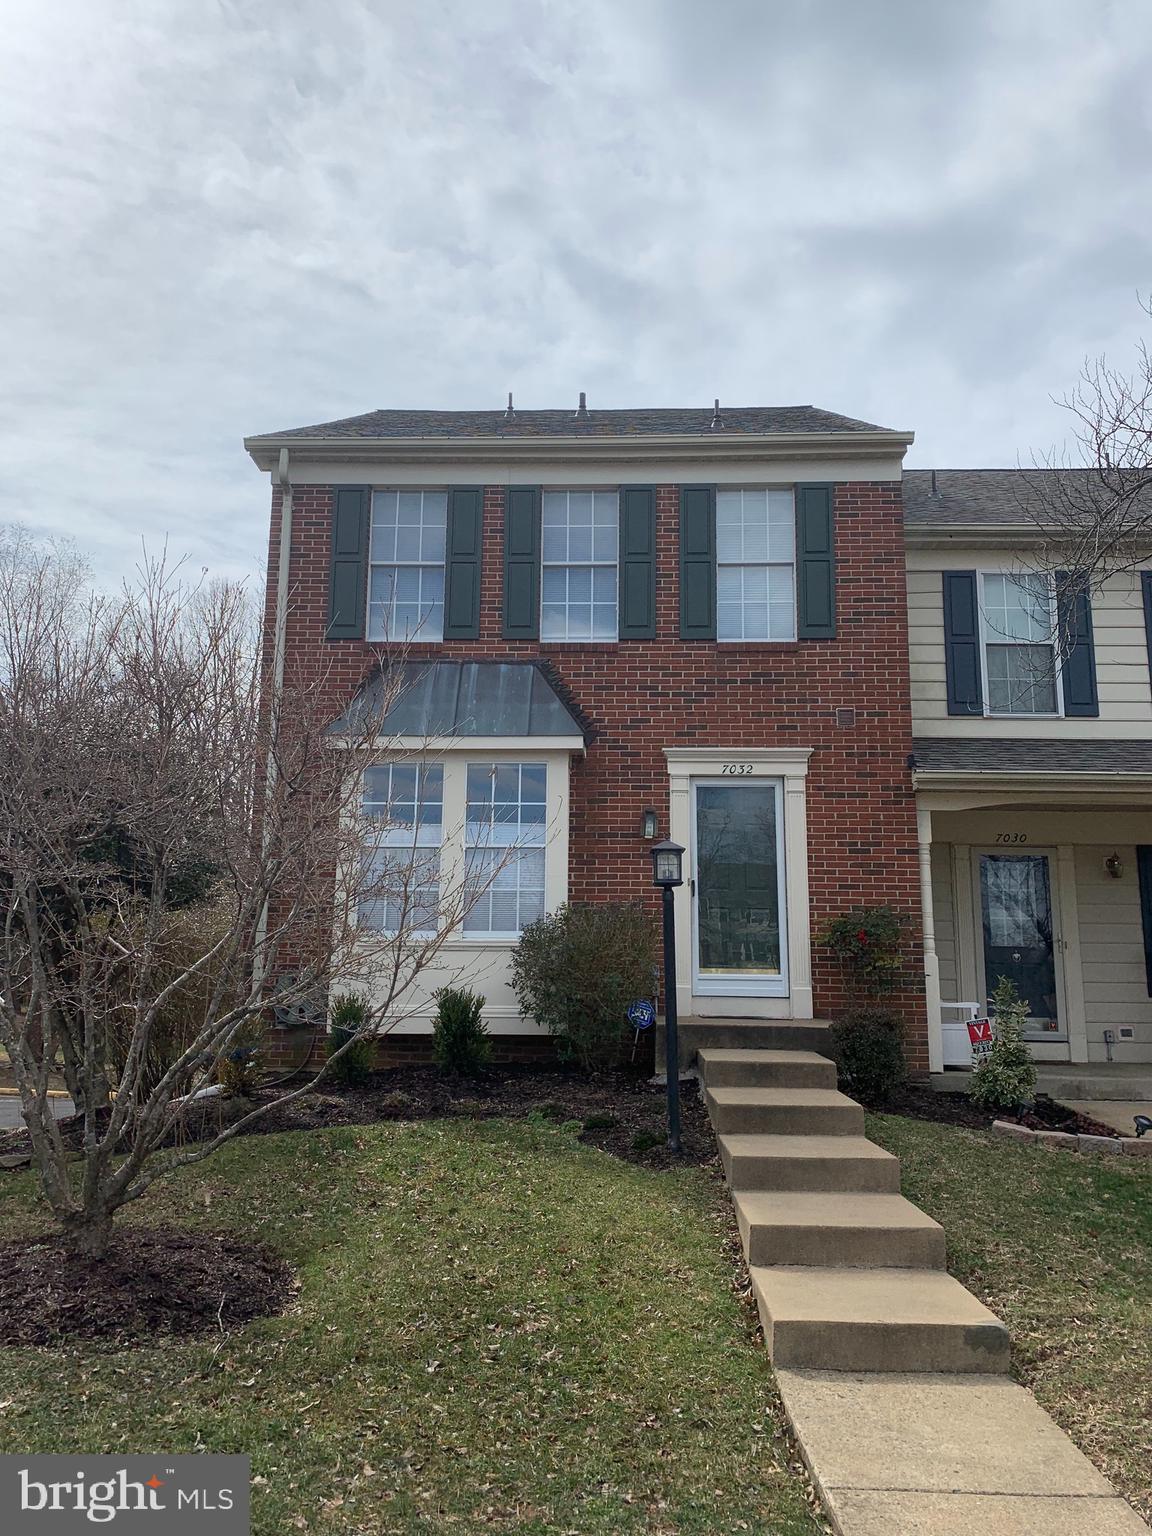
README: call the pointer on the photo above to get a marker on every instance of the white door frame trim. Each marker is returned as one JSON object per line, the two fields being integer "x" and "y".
{"x": 789, "y": 764}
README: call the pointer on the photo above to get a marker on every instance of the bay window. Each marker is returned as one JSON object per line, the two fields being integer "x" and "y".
{"x": 403, "y": 806}
{"x": 504, "y": 847}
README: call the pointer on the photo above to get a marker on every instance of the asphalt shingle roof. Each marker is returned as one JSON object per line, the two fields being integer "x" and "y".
{"x": 971, "y": 754}
{"x": 688, "y": 422}
{"x": 980, "y": 497}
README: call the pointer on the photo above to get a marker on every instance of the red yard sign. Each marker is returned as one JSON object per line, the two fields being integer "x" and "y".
{"x": 980, "y": 1034}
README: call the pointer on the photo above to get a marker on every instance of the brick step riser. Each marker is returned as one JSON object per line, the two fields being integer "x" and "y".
{"x": 843, "y": 1247}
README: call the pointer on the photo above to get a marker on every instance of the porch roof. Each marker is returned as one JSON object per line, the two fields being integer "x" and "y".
{"x": 976, "y": 755}
{"x": 418, "y": 699}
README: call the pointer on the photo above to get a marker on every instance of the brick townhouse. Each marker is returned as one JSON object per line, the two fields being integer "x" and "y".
{"x": 700, "y": 614}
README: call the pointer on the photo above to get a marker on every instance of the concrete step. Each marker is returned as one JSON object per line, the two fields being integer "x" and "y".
{"x": 784, "y": 1111}
{"x": 808, "y": 1162}
{"x": 877, "y": 1320}
{"x": 837, "y": 1230}
{"x": 765, "y": 1069}
{"x": 699, "y": 1034}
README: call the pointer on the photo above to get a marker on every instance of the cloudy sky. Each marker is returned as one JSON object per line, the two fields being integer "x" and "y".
{"x": 231, "y": 216}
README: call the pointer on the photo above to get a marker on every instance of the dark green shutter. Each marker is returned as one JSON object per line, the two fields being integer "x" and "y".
{"x": 962, "y": 643}
{"x": 697, "y": 562}
{"x": 462, "y": 563}
{"x": 522, "y": 562}
{"x": 1146, "y": 589}
{"x": 348, "y": 569}
{"x": 1078, "y": 667}
{"x": 637, "y": 562}
{"x": 1144, "y": 876}
{"x": 815, "y": 563}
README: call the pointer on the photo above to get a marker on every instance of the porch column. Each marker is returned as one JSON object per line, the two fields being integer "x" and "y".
{"x": 931, "y": 962}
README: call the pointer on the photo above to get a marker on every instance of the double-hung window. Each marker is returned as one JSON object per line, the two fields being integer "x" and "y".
{"x": 579, "y": 546}
{"x": 1019, "y": 645}
{"x": 403, "y": 809}
{"x": 755, "y": 565}
{"x": 505, "y": 833}
{"x": 406, "y": 583}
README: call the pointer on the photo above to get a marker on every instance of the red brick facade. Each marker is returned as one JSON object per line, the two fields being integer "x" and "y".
{"x": 846, "y": 698}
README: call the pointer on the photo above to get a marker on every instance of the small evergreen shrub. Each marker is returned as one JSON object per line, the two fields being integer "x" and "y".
{"x": 238, "y": 1070}
{"x": 1006, "y": 1077}
{"x": 346, "y": 1018}
{"x": 459, "y": 1038}
{"x": 576, "y": 970}
{"x": 644, "y": 1141}
{"x": 868, "y": 942}
{"x": 869, "y": 1047}
{"x": 601, "y": 1123}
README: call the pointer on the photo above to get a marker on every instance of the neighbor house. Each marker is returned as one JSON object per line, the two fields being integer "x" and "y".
{"x": 618, "y": 626}
{"x": 1032, "y": 768}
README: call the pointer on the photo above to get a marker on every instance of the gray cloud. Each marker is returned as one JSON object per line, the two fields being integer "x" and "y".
{"x": 232, "y": 218}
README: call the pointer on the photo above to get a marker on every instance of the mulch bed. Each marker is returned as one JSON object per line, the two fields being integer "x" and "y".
{"x": 918, "y": 1101}
{"x": 152, "y": 1281}
{"x": 623, "y": 1112}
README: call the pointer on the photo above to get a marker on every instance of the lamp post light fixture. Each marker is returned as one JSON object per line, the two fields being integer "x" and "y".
{"x": 648, "y": 826}
{"x": 667, "y": 874}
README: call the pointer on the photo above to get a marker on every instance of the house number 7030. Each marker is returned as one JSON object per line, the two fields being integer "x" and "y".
{"x": 736, "y": 768}
{"x": 1011, "y": 837}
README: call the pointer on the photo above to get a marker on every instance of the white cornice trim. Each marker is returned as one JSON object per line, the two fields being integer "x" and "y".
{"x": 665, "y": 448}
{"x": 1113, "y": 784}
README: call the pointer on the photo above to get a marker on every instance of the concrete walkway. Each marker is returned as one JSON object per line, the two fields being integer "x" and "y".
{"x": 891, "y": 1373}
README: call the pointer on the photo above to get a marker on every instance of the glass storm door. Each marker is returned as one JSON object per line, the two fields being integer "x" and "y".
{"x": 740, "y": 942}
{"x": 1019, "y": 934}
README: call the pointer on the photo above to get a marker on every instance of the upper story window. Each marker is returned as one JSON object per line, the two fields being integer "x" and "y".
{"x": 406, "y": 582}
{"x": 755, "y": 565}
{"x": 1019, "y": 645}
{"x": 403, "y": 804}
{"x": 578, "y": 577}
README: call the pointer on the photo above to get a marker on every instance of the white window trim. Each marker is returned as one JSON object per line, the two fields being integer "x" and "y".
{"x": 785, "y": 565}
{"x": 564, "y": 565}
{"x": 989, "y": 637}
{"x": 455, "y": 757}
{"x": 421, "y": 637}
{"x": 414, "y": 848}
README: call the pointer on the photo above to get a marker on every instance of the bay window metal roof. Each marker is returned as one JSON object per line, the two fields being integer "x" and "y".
{"x": 460, "y": 698}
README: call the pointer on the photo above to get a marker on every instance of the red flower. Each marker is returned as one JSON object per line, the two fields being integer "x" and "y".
{"x": 862, "y": 935}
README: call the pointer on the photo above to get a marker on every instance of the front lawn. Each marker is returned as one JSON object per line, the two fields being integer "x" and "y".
{"x": 1060, "y": 1245}
{"x": 497, "y": 1328}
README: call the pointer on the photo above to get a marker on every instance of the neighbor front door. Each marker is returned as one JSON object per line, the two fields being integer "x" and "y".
{"x": 1020, "y": 937}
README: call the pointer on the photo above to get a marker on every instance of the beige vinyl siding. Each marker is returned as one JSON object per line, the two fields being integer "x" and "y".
{"x": 1122, "y": 670}
{"x": 1112, "y": 945}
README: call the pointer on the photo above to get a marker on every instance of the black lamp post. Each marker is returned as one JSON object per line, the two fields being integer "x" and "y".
{"x": 667, "y": 860}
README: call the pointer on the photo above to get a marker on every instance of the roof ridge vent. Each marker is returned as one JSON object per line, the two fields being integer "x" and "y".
{"x": 717, "y": 422}
{"x": 582, "y": 408}
{"x": 510, "y": 413}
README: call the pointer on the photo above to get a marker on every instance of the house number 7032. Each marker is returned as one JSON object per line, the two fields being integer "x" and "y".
{"x": 736, "y": 768}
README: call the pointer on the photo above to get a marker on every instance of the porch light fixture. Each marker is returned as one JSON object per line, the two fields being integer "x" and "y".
{"x": 667, "y": 874}
{"x": 648, "y": 825}
{"x": 667, "y": 860}
{"x": 1114, "y": 864}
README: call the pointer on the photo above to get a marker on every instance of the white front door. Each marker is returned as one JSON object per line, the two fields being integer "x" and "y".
{"x": 739, "y": 923}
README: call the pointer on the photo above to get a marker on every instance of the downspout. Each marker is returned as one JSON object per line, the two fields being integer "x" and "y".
{"x": 279, "y": 647}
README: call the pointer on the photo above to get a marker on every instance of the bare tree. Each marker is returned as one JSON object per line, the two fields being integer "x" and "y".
{"x": 1094, "y": 518}
{"x": 143, "y": 774}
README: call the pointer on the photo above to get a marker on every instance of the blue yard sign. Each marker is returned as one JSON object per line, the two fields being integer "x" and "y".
{"x": 641, "y": 1014}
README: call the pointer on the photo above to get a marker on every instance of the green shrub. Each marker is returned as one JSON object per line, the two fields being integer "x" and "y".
{"x": 869, "y": 1049}
{"x": 644, "y": 1141}
{"x": 869, "y": 943}
{"x": 601, "y": 1123}
{"x": 1006, "y": 1076}
{"x": 346, "y": 1018}
{"x": 459, "y": 1039}
{"x": 577, "y": 970}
